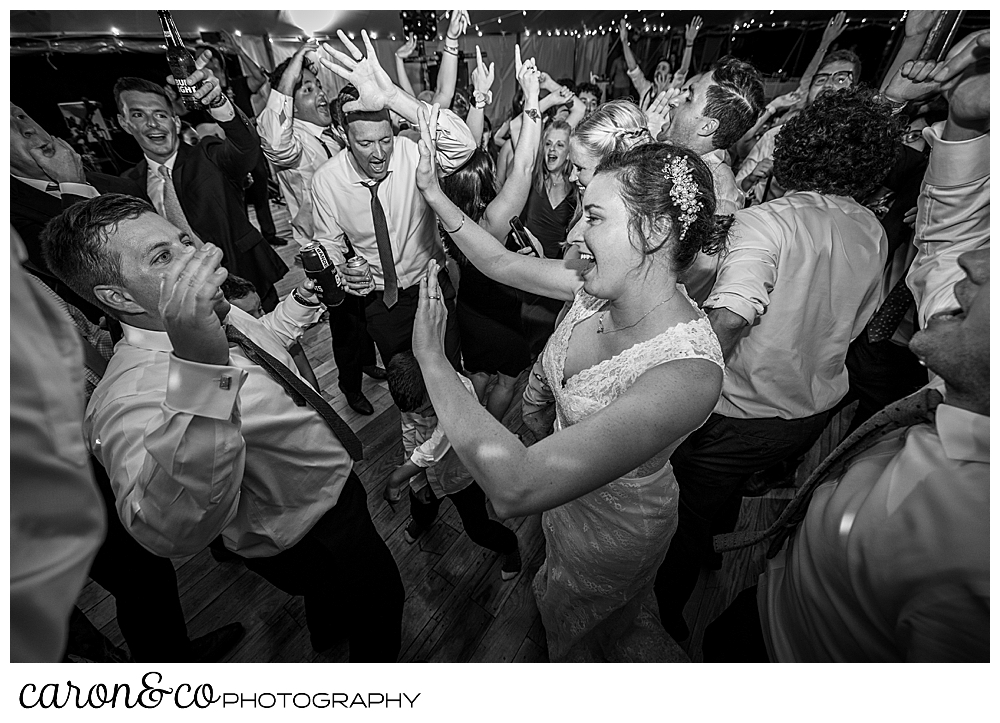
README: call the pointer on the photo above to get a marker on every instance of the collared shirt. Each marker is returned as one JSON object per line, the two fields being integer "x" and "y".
{"x": 428, "y": 447}
{"x": 56, "y": 515}
{"x": 953, "y": 217}
{"x": 892, "y": 560}
{"x": 297, "y": 150}
{"x": 155, "y": 182}
{"x": 342, "y": 204}
{"x": 699, "y": 278}
{"x": 805, "y": 272}
{"x": 74, "y": 189}
{"x": 195, "y": 450}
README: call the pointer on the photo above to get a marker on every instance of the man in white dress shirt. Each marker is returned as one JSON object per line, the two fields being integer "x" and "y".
{"x": 366, "y": 195}
{"x": 199, "y": 440}
{"x": 297, "y": 136}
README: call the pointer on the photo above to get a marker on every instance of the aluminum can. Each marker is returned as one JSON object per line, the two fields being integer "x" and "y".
{"x": 319, "y": 267}
{"x": 356, "y": 262}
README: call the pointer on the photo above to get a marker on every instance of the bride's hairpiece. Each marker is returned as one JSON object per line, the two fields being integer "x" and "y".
{"x": 683, "y": 191}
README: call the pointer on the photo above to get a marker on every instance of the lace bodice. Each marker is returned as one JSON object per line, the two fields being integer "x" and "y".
{"x": 595, "y": 387}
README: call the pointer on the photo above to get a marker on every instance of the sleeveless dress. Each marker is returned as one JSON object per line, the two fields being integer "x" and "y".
{"x": 603, "y": 549}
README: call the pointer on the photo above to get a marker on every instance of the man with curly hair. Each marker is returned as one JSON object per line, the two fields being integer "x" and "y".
{"x": 799, "y": 282}
{"x": 839, "y": 70}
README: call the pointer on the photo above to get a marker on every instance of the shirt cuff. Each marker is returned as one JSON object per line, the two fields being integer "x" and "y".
{"x": 421, "y": 460}
{"x": 736, "y": 304}
{"x": 955, "y": 163}
{"x": 79, "y": 189}
{"x": 225, "y": 112}
{"x": 635, "y": 73}
{"x": 203, "y": 390}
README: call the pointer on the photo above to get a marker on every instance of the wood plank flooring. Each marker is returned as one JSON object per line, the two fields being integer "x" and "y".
{"x": 457, "y": 607}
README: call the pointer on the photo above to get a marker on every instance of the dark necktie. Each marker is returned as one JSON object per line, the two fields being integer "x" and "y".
{"x": 390, "y": 291}
{"x": 886, "y": 320}
{"x": 914, "y": 409}
{"x": 329, "y": 135}
{"x": 300, "y": 392}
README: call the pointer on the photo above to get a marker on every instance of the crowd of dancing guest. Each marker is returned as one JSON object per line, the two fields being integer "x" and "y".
{"x": 689, "y": 283}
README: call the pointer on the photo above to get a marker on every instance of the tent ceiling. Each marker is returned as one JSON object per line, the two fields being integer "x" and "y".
{"x": 383, "y": 22}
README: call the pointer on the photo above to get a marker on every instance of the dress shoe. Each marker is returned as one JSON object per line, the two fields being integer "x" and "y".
{"x": 212, "y": 647}
{"x": 375, "y": 372}
{"x": 276, "y": 241}
{"x": 359, "y": 403}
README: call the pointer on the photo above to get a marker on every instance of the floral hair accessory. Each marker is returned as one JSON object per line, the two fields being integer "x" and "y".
{"x": 683, "y": 191}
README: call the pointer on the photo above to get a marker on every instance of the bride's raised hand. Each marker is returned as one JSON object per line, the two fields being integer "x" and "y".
{"x": 426, "y": 176}
{"x": 431, "y": 321}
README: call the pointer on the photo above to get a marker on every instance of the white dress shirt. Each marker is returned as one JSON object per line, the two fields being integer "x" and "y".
{"x": 762, "y": 149}
{"x": 805, "y": 272}
{"x": 56, "y": 514}
{"x": 342, "y": 205}
{"x": 296, "y": 149}
{"x": 953, "y": 217}
{"x": 892, "y": 560}
{"x": 428, "y": 447}
{"x": 195, "y": 450}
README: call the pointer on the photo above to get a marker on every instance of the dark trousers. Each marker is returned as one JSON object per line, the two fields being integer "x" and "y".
{"x": 471, "y": 506}
{"x": 711, "y": 467}
{"x": 257, "y": 196}
{"x": 349, "y": 580}
{"x": 736, "y": 636}
{"x": 392, "y": 329}
{"x": 144, "y": 586}
{"x": 880, "y": 374}
{"x": 353, "y": 348}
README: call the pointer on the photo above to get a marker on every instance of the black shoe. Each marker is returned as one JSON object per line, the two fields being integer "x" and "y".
{"x": 359, "y": 403}
{"x": 276, "y": 241}
{"x": 212, "y": 647}
{"x": 375, "y": 372}
{"x": 511, "y": 565}
{"x": 413, "y": 531}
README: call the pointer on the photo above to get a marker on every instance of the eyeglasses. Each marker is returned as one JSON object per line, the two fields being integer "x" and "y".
{"x": 910, "y": 136}
{"x": 844, "y": 77}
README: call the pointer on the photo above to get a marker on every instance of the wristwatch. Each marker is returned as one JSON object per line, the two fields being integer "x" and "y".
{"x": 299, "y": 298}
{"x": 480, "y": 100}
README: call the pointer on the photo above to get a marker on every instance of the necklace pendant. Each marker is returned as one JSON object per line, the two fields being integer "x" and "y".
{"x": 600, "y": 324}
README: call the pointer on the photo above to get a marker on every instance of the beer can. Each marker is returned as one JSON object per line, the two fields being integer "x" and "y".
{"x": 318, "y": 265}
{"x": 356, "y": 262}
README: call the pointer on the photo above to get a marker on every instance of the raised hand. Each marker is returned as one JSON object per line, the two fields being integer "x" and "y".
{"x": 658, "y": 113}
{"x": 920, "y": 79}
{"x": 834, "y": 28}
{"x": 431, "y": 321}
{"x": 482, "y": 77}
{"x": 691, "y": 31}
{"x": 426, "y": 176}
{"x": 458, "y": 24}
{"x": 190, "y": 292}
{"x": 526, "y": 73}
{"x": 62, "y": 165}
{"x": 788, "y": 100}
{"x": 290, "y": 78}
{"x": 623, "y": 31}
{"x": 207, "y": 89}
{"x": 375, "y": 88}
{"x": 405, "y": 50}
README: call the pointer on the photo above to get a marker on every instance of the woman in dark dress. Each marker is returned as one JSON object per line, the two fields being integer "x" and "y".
{"x": 550, "y": 208}
{"x": 489, "y": 313}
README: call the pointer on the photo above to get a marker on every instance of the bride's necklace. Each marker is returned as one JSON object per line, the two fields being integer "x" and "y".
{"x": 600, "y": 319}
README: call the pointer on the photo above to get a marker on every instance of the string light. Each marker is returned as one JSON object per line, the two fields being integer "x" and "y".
{"x": 237, "y": 33}
{"x": 115, "y": 31}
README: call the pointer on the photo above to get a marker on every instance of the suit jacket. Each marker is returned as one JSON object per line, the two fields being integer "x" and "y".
{"x": 208, "y": 179}
{"x": 31, "y": 209}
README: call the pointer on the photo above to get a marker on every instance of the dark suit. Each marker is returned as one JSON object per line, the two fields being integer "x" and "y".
{"x": 31, "y": 209}
{"x": 208, "y": 179}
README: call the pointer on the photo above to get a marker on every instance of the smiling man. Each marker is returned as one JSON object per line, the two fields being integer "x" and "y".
{"x": 200, "y": 188}
{"x": 297, "y": 135}
{"x": 201, "y": 438}
{"x": 365, "y": 199}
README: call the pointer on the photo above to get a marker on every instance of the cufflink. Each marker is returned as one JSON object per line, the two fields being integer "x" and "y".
{"x": 225, "y": 382}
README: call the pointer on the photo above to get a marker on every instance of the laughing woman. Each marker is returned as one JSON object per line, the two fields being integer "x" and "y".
{"x": 635, "y": 367}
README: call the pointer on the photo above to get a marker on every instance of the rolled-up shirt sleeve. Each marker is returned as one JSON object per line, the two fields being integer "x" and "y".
{"x": 277, "y": 139}
{"x": 326, "y": 228}
{"x": 953, "y": 216}
{"x": 748, "y": 271}
{"x": 455, "y": 144}
{"x": 175, "y": 459}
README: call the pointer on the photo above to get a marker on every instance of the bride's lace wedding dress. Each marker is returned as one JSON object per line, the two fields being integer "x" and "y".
{"x": 603, "y": 549}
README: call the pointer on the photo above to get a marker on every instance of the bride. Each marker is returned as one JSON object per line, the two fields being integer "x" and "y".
{"x": 635, "y": 367}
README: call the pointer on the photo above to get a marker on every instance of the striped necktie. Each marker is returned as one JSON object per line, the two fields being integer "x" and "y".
{"x": 171, "y": 204}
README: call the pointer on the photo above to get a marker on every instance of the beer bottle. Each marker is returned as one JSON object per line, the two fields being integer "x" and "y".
{"x": 180, "y": 60}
